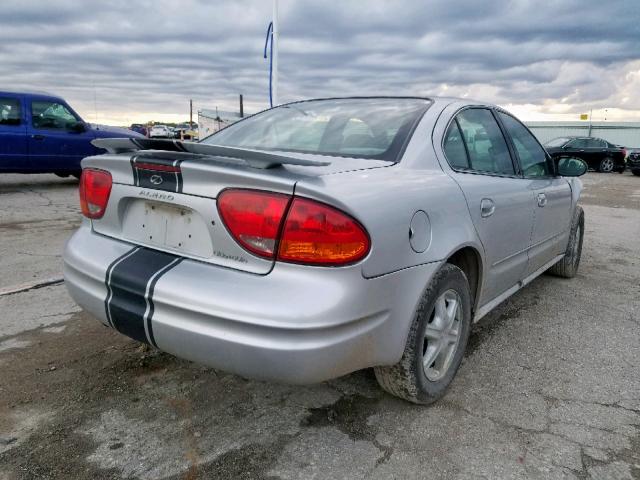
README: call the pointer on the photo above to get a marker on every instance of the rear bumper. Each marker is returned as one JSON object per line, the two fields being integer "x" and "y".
{"x": 296, "y": 325}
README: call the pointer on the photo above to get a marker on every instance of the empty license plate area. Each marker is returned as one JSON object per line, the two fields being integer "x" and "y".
{"x": 168, "y": 227}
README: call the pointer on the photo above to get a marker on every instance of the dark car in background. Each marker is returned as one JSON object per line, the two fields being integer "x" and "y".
{"x": 139, "y": 128}
{"x": 41, "y": 133}
{"x": 599, "y": 154}
{"x": 633, "y": 161}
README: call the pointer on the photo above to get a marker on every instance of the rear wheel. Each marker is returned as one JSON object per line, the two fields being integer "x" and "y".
{"x": 568, "y": 266}
{"x": 606, "y": 165}
{"x": 436, "y": 343}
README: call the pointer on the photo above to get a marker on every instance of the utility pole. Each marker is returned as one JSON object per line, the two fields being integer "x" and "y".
{"x": 241, "y": 107}
{"x": 275, "y": 41}
{"x": 590, "y": 115}
{"x": 191, "y": 114}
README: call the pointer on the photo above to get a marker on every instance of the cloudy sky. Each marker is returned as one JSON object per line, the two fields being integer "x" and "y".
{"x": 124, "y": 61}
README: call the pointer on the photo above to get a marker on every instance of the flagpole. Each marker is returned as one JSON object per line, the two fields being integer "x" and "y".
{"x": 275, "y": 41}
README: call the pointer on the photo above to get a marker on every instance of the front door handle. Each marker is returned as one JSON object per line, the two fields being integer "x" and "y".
{"x": 37, "y": 137}
{"x": 487, "y": 207}
{"x": 542, "y": 199}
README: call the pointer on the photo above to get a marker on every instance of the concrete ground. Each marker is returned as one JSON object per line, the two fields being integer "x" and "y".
{"x": 550, "y": 386}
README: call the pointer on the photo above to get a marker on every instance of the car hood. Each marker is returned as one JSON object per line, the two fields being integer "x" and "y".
{"x": 107, "y": 131}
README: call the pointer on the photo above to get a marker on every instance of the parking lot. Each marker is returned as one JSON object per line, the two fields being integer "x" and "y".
{"x": 549, "y": 388}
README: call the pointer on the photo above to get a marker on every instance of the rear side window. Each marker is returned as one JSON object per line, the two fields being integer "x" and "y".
{"x": 578, "y": 143}
{"x": 533, "y": 158}
{"x": 596, "y": 143}
{"x": 10, "y": 111}
{"x": 454, "y": 147}
{"x": 486, "y": 148}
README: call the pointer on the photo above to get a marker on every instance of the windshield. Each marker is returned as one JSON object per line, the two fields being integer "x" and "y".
{"x": 557, "y": 142}
{"x": 376, "y": 128}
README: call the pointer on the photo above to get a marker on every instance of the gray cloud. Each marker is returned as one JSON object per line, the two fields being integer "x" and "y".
{"x": 152, "y": 56}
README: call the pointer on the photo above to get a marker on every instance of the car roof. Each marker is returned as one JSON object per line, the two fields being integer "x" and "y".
{"x": 29, "y": 93}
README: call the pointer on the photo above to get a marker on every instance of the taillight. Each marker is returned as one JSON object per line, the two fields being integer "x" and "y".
{"x": 309, "y": 232}
{"x": 95, "y": 188}
{"x": 253, "y": 218}
{"x": 318, "y": 234}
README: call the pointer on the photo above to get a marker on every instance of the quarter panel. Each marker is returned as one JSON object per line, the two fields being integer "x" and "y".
{"x": 385, "y": 200}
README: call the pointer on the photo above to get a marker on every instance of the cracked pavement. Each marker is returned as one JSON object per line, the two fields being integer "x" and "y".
{"x": 549, "y": 388}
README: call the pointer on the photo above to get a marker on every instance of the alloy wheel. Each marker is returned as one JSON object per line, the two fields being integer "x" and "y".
{"x": 607, "y": 165}
{"x": 442, "y": 335}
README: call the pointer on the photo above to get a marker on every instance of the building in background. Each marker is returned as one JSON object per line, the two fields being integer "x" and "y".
{"x": 210, "y": 121}
{"x": 626, "y": 134}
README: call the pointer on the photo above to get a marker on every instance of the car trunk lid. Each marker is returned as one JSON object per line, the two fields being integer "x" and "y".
{"x": 167, "y": 200}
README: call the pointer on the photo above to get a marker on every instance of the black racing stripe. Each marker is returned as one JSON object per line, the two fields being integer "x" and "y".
{"x": 152, "y": 307}
{"x": 128, "y": 306}
{"x": 154, "y": 159}
{"x": 179, "y": 176}
{"x": 136, "y": 179}
{"x": 157, "y": 179}
{"x": 108, "y": 281}
{"x": 167, "y": 181}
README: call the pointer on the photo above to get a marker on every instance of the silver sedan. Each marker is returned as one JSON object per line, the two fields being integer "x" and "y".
{"x": 325, "y": 236}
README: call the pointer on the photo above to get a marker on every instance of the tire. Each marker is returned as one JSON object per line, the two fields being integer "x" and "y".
{"x": 408, "y": 379}
{"x": 636, "y": 172}
{"x": 568, "y": 266}
{"x": 606, "y": 165}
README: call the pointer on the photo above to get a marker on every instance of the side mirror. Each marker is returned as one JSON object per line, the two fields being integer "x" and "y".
{"x": 571, "y": 167}
{"x": 78, "y": 127}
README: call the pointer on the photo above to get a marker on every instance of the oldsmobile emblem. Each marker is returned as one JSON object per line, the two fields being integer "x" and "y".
{"x": 156, "y": 179}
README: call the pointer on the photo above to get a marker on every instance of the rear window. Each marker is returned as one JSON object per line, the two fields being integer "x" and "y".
{"x": 375, "y": 128}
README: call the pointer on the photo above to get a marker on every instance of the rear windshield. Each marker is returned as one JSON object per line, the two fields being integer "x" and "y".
{"x": 556, "y": 142}
{"x": 376, "y": 128}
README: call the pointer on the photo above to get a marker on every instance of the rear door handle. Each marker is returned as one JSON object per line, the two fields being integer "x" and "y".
{"x": 542, "y": 199}
{"x": 487, "y": 207}
{"x": 37, "y": 137}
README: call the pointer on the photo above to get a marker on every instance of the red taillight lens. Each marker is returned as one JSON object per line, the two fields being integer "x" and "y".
{"x": 313, "y": 233}
{"x": 316, "y": 233}
{"x": 253, "y": 218}
{"x": 95, "y": 188}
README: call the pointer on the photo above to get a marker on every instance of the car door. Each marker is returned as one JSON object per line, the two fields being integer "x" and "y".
{"x": 500, "y": 205}
{"x": 552, "y": 195}
{"x": 53, "y": 144}
{"x": 13, "y": 134}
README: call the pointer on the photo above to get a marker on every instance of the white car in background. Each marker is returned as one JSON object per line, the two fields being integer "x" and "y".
{"x": 160, "y": 131}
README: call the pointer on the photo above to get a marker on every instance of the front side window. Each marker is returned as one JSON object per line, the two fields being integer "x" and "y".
{"x": 375, "y": 128}
{"x": 9, "y": 111}
{"x": 533, "y": 158}
{"x": 52, "y": 115}
{"x": 486, "y": 147}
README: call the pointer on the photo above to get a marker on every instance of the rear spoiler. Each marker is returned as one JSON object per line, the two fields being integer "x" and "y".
{"x": 254, "y": 158}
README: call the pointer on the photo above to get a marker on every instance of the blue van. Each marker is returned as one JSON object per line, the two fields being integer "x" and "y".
{"x": 41, "y": 133}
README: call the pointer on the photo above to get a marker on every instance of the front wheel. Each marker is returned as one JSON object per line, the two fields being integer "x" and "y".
{"x": 436, "y": 342}
{"x": 606, "y": 165}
